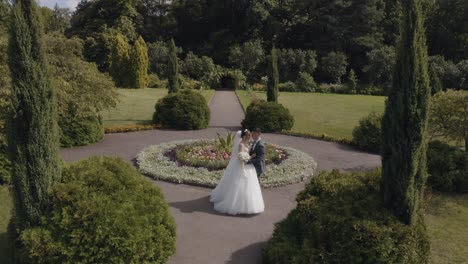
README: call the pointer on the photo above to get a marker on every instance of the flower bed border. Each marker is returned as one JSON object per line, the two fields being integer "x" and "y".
{"x": 152, "y": 162}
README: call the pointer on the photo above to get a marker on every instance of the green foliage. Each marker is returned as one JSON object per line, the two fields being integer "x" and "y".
{"x": 185, "y": 110}
{"x": 82, "y": 91}
{"x": 273, "y": 77}
{"x": 334, "y": 66}
{"x": 449, "y": 116}
{"x": 197, "y": 68}
{"x": 225, "y": 143}
{"x": 436, "y": 83}
{"x": 368, "y": 134}
{"x": 80, "y": 130}
{"x": 33, "y": 136}
{"x": 103, "y": 211}
{"x": 405, "y": 120}
{"x": 173, "y": 69}
{"x": 453, "y": 75}
{"x": 119, "y": 61}
{"x": 379, "y": 69}
{"x": 139, "y": 64}
{"x": 306, "y": 83}
{"x": 268, "y": 116}
{"x": 287, "y": 87}
{"x": 154, "y": 81}
{"x": 447, "y": 167}
{"x": 158, "y": 54}
{"x": 5, "y": 87}
{"x": 248, "y": 58}
{"x": 291, "y": 62}
{"x": 340, "y": 218}
{"x": 352, "y": 82}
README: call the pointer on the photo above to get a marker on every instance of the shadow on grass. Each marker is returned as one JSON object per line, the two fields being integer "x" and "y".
{"x": 252, "y": 254}
{"x": 5, "y": 249}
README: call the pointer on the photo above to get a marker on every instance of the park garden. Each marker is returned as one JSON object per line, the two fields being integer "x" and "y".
{"x": 372, "y": 77}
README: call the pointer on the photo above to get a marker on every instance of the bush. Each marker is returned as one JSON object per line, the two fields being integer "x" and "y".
{"x": 103, "y": 211}
{"x": 268, "y": 116}
{"x": 76, "y": 130}
{"x": 155, "y": 82}
{"x": 287, "y": 87}
{"x": 305, "y": 83}
{"x": 367, "y": 135}
{"x": 5, "y": 166}
{"x": 447, "y": 167}
{"x": 185, "y": 110}
{"x": 197, "y": 68}
{"x": 340, "y": 218}
{"x": 293, "y": 61}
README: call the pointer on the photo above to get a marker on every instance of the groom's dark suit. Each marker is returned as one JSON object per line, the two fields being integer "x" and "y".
{"x": 259, "y": 160}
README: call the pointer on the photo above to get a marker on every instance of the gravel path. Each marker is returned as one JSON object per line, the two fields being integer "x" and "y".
{"x": 203, "y": 235}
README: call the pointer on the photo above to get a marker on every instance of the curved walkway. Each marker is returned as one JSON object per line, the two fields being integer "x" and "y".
{"x": 203, "y": 235}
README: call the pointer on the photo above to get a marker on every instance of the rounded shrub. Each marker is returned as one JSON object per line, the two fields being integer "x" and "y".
{"x": 103, "y": 211}
{"x": 340, "y": 218}
{"x": 268, "y": 116}
{"x": 76, "y": 130}
{"x": 447, "y": 167}
{"x": 306, "y": 83}
{"x": 367, "y": 135}
{"x": 185, "y": 110}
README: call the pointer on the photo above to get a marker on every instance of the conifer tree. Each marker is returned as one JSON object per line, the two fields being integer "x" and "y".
{"x": 405, "y": 120}
{"x": 273, "y": 77}
{"x": 120, "y": 61}
{"x": 140, "y": 64}
{"x": 173, "y": 69}
{"x": 33, "y": 136}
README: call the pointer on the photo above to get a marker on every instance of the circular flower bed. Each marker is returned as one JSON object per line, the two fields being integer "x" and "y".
{"x": 199, "y": 162}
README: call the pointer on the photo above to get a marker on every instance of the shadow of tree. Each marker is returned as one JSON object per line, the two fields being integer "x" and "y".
{"x": 251, "y": 254}
{"x": 203, "y": 205}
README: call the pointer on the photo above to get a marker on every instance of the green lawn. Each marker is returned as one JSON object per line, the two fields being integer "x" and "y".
{"x": 136, "y": 106}
{"x": 332, "y": 114}
{"x": 446, "y": 219}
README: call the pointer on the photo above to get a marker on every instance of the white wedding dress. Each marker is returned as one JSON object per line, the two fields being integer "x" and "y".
{"x": 238, "y": 191}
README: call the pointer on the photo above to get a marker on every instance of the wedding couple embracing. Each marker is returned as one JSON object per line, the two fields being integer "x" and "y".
{"x": 238, "y": 191}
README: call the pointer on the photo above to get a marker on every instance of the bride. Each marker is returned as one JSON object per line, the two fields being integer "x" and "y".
{"x": 238, "y": 192}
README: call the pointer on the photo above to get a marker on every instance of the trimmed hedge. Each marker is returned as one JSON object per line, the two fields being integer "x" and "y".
{"x": 447, "y": 167}
{"x": 268, "y": 116}
{"x": 76, "y": 130}
{"x": 367, "y": 135}
{"x": 103, "y": 211}
{"x": 185, "y": 110}
{"x": 340, "y": 218}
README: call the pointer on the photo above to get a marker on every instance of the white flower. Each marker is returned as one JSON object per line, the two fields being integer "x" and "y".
{"x": 244, "y": 156}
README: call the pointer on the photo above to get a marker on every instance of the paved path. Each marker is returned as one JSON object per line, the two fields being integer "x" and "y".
{"x": 203, "y": 235}
{"x": 226, "y": 110}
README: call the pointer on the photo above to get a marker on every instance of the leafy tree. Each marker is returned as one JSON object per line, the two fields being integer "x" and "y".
{"x": 404, "y": 123}
{"x": 139, "y": 62}
{"x": 198, "y": 68}
{"x": 334, "y": 66}
{"x": 293, "y": 61}
{"x": 380, "y": 66}
{"x": 449, "y": 116}
{"x": 33, "y": 136}
{"x": 120, "y": 60}
{"x": 173, "y": 69}
{"x": 247, "y": 57}
{"x": 305, "y": 83}
{"x": 273, "y": 77}
{"x": 158, "y": 54}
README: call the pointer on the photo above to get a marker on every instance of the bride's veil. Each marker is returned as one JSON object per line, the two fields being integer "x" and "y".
{"x": 235, "y": 147}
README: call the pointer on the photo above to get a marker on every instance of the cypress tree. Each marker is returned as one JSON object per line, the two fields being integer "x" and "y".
{"x": 405, "y": 120}
{"x": 173, "y": 69}
{"x": 119, "y": 62}
{"x": 140, "y": 64}
{"x": 33, "y": 136}
{"x": 273, "y": 77}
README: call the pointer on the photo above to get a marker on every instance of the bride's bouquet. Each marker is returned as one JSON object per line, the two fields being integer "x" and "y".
{"x": 244, "y": 156}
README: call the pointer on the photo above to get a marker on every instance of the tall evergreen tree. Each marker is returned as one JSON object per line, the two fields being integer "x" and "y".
{"x": 140, "y": 64}
{"x": 405, "y": 120}
{"x": 173, "y": 68}
{"x": 33, "y": 136}
{"x": 119, "y": 62}
{"x": 273, "y": 77}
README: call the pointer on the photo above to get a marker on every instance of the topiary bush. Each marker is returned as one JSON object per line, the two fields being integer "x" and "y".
{"x": 76, "y": 130}
{"x": 103, "y": 211}
{"x": 367, "y": 135}
{"x": 447, "y": 167}
{"x": 268, "y": 116}
{"x": 340, "y": 218}
{"x": 185, "y": 110}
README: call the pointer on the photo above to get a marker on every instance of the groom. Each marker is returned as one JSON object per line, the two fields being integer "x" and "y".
{"x": 257, "y": 152}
